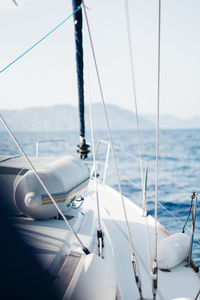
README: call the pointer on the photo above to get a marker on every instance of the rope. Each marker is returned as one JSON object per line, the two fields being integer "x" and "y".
{"x": 95, "y": 163}
{"x": 99, "y": 231}
{"x": 137, "y": 278}
{"x": 141, "y": 258}
{"x": 149, "y": 255}
{"x": 164, "y": 208}
{"x": 155, "y": 266}
{"x": 197, "y": 295}
{"x": 144, "y": 206}
{"x": 43, "y": 38}
{"x": 191, "y": 204}
{"x": 135, "y": 99}
{"x": 194, "y": 196}
{"x": 85, "y": 250}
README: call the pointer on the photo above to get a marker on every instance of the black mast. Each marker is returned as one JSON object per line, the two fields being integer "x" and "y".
{"x": 78, "y": 21}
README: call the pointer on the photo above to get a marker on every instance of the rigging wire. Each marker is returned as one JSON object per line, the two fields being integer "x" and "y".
{"x": 194, "y": 196}
{"x": 135, "y": 100}
{"x": 85, "y": 250}
{"x": 143, "y": 180}
{"x": 38, "y": 42}
{"x": 135, "y": 267}
{"x": 191, "y": 204}
{"x": 100, "y": 233}
{"x": 155, "y": 264}
{"x": 198, "y": 294}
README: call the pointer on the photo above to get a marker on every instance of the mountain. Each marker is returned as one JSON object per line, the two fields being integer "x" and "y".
{"x": 53, "y": 118}
{"x": 119, "y": 119}
{"x": 172, "y": 122}
{"x": 65, "y": 117}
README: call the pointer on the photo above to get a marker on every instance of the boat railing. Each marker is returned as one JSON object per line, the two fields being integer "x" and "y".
{"x": 64, "y": 141}
{"x": 137, "y": 184}
{"x": 150, "y": 194}
{"x": 105, "y": 164}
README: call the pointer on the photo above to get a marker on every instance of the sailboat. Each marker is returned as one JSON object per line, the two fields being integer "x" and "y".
{"x": 66, "y": 234}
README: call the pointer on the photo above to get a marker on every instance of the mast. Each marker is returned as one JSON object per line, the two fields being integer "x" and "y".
{"x": 82, "y": 148}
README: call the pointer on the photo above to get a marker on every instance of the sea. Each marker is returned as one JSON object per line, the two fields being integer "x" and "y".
{"x": 178, "y": 168}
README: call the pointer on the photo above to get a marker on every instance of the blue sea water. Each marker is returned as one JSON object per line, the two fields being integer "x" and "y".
{"x": 179, "y": 168}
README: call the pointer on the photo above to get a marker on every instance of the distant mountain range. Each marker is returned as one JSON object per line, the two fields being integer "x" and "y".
{"x": 65, "y": 117}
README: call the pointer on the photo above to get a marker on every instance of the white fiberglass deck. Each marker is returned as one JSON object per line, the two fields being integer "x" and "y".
{"x": 180, "y": 282}
{"x": 54, "y": 242}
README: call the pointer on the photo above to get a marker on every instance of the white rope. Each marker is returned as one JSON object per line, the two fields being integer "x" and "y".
{"x": 157, "y": 133}
{"x": 107, "y": 123}
{"x": 141, "y": 257}
{"x": 94, "y": 161}
{"x": 95, "y": 165}
{"x": 149, "y": 256}
{"x": 197, "y": 296}
{"x": 135, "y": 99}
{"x": 155, "y": 267}
{"x": 95, "y": 175}
{"x": 112, "y": 147}
{"x": 42, "y": 184}
{"x": 144, "y": 206}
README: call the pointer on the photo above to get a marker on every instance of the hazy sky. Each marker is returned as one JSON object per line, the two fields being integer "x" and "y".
{"x": 46, "y": 76}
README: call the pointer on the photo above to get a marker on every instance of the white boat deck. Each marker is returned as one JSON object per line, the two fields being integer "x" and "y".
{"x": 180, "y": 282}
{"x": 54, "y": 243}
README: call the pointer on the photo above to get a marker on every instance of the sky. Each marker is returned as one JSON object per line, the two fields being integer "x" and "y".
{"x": 47, "y": 75}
